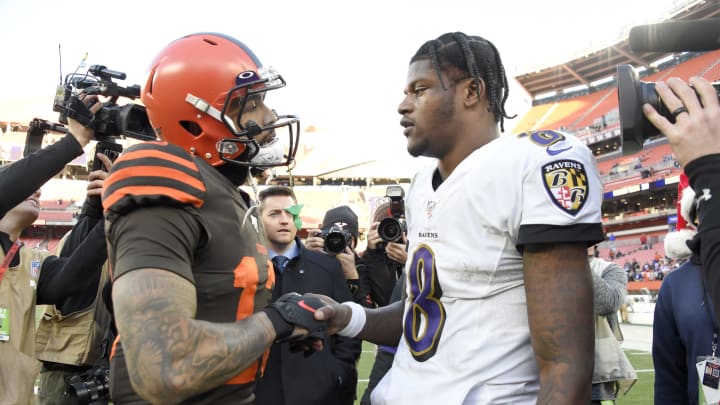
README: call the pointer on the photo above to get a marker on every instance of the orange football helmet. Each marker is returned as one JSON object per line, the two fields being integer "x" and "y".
{"x": 192, "y": 85}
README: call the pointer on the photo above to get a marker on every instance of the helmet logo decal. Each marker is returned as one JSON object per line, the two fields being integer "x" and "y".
{"x": 245, "y": 77}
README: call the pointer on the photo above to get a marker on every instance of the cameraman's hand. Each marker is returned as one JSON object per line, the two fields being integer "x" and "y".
{"x": 397, "y": 251}
{"x": 96, "y": 178}
{"x": 373, "y": 237}
{"x": 695, "y": 133}
{"x": 314, "y": 241}
{"x": 347, "y": 262}
{"x": 82, "y": 133}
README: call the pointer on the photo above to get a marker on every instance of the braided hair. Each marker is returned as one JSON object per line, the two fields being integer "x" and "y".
{"x": 465, "y": 54}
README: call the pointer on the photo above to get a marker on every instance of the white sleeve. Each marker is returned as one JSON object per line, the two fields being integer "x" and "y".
{"x": 562, "y": 196}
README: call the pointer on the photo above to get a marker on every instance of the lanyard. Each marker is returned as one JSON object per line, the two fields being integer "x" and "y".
{"x": 8, "y": 258}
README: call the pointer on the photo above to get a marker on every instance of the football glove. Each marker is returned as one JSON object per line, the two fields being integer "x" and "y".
{"x": 293, "y": 309}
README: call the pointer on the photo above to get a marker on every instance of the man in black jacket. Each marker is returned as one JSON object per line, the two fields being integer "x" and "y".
{"x": 695, "y": 139}
{"x": 328, "y": 376}
{"x": 28, "y": 276}
{"x": 352, "y": 265}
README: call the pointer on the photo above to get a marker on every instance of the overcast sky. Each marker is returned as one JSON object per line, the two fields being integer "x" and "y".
{"x": 345, "y": 62}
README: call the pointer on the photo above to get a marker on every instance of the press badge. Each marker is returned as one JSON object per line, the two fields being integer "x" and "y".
{"x": 4, "y": 324}
{"x": 708, "y": 369}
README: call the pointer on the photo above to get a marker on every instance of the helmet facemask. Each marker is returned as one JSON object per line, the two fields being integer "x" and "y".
{"x": 241, "y": 103}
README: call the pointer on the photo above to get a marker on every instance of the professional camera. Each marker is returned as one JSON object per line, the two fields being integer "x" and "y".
{"x": 336, "y": 239}
{"x": 391, "y": 229}
{"x": 632, "y": 94}
{"x": 92, "y": 386}
{"x": 111, "y": 120}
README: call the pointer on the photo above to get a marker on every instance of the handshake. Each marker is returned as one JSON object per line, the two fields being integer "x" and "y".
{"x": 291, "y": 310}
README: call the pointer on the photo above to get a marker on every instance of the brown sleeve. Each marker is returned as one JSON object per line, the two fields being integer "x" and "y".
{"x": 155, "y": 237}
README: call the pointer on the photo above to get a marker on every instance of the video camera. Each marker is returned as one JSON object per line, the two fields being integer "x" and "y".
{"x": 391, "y": 229}
{"x": 112, "y": 120}
{"x": 91, "y": 386}
{"x": 336, "y": 239}
{"x": 673, "y": 36}
{"x": 632, "y": 94}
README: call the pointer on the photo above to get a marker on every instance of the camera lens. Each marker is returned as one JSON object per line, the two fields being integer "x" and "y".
{"x": 390, "y": 230}
{"x": 335, "y": 242}
{"x": 632, "y": 94}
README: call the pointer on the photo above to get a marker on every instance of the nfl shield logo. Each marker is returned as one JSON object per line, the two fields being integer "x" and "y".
{"x": 35, "y": 269}
{"x": 429, "y": 207}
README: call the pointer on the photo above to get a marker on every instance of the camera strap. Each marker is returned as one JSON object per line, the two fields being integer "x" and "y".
{"x": 9, "y": 257}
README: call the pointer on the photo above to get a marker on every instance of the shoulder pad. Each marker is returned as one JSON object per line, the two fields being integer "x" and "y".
{"x": 152, "y": 174}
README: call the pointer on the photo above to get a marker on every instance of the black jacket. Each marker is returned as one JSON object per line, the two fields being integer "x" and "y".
{"x": 328, "y": 377}
{"x": 703, "y": 176}
{"x": 382, "y": 274}
{"x": 60, "y": 277}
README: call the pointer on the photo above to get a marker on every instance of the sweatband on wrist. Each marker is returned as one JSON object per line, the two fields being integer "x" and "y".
{"x": 282, "y": 328}
{"x": 357, "y": 320}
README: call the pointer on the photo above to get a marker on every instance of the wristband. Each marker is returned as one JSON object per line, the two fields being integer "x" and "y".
{"x": 357, "y": 320}
{"x": 282, "y": 328}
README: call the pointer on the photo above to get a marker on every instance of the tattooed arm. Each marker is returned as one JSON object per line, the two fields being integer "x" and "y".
{"x": 559, "y": 293}
{"x": 171, "y": 356}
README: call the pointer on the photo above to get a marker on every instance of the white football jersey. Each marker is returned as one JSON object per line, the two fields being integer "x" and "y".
{"x": 466, "y": 335}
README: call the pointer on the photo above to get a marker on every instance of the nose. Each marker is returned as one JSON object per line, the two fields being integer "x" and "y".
{"x": 269, "y": 116}
{"x": 405, "y": 106}
{"x": 273, "y": 116}
{"x": 286, "y": 218}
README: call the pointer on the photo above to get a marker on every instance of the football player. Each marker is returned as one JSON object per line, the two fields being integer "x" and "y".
{"x": 498, "y": 303}
{"x": 191, "y": 275}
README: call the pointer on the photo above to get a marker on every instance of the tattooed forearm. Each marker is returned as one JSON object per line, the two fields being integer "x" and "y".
{"x": 171, "y": 356}
{"x": 560, "y": 312}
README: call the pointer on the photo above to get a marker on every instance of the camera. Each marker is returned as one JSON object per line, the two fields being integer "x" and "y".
{"x": 336, "y": 239}
{"x": 391, "y": 229}
{"x": 91, "y": 386}
{"x": 112, "y": 120}
{"x": 110, "y": 149}
{"x": 632, "y": 94}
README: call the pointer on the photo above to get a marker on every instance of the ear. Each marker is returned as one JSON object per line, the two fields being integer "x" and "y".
{"x": 474, "y": 93}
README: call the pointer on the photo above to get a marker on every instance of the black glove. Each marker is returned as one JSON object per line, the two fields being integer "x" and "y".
{"x": 305, "y": 344}
{"x": 293, "y": 309}
{"x": 78, "y": 111}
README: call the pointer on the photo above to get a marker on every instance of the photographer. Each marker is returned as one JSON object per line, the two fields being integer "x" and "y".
{"x": 338, "y": 237}
{"x": 30, "y": 276}
{"x": 74, "y": 335}
{"x": 695, "y": 140}
{"x": 384, "y": 260}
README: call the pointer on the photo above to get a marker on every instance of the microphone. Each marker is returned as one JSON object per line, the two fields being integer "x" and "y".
{"x": 676, "y": 36}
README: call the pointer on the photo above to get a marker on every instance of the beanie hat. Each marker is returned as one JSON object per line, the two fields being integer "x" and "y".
{"x": 343, "y": 216}
{"x": 676, "y": 242}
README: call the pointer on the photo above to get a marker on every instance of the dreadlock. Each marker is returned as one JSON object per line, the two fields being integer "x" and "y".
{"x": 461, "y": 52}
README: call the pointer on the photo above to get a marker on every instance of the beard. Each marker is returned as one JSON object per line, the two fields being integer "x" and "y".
{"x": 430, "y": 143}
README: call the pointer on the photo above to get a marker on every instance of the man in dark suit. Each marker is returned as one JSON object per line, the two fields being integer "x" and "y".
{"x": 328, "y": 376}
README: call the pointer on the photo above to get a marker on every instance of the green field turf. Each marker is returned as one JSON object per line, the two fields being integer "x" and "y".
{"x": 640, "y": 394}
